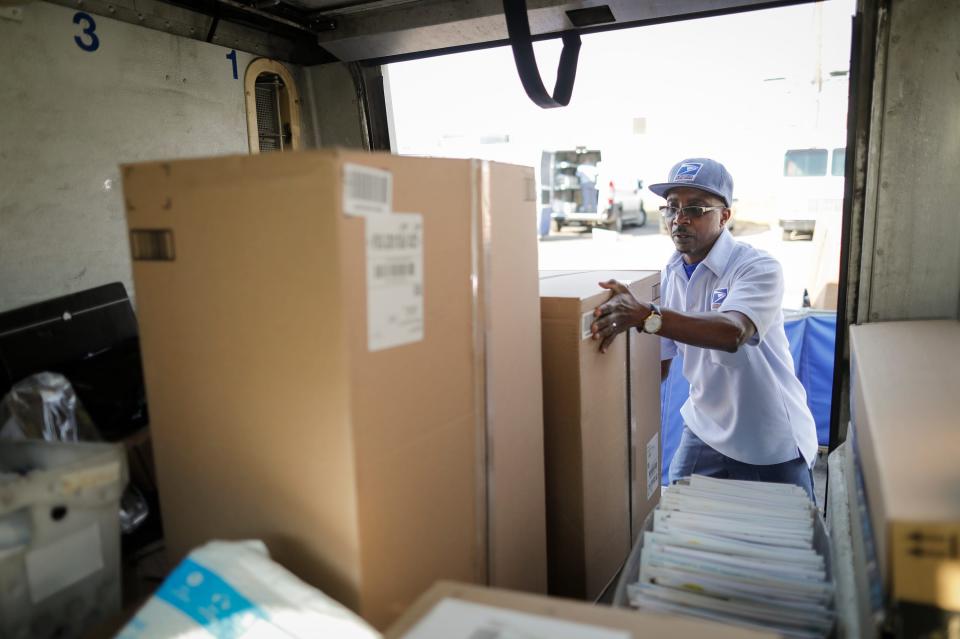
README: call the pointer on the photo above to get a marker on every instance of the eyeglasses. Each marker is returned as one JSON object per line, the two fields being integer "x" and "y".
{"x": 690, "y": 212}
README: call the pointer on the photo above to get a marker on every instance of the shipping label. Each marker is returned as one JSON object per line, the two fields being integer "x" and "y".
{"x": 394, "y": 280}
{"x": 456, "y": 619}
{"x": 586, "y": 321}
{"x": 653, "y": 465}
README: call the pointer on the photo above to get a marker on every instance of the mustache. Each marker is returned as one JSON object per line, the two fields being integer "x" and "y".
{"x": 681, "y": 229}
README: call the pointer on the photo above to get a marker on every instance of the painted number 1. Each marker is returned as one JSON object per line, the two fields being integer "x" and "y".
{"x": 232, "y": 56}
{"x": 89, "y": 28}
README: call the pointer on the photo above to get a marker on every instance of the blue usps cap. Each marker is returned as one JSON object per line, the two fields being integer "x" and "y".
{"x": 699, "y": 173}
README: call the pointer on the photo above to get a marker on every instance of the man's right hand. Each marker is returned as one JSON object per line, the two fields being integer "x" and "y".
{"x": 620, "y": 313}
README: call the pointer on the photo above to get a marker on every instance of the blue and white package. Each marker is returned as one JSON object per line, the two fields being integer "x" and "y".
{"x": 233, "y": 590}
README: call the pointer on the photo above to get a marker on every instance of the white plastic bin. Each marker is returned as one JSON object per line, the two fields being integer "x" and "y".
{"x": 59, "y": 537}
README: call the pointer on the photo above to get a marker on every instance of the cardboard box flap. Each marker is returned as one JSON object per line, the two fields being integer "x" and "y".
{"x": 585, "y": 285}
{"x": 905, "y": 373}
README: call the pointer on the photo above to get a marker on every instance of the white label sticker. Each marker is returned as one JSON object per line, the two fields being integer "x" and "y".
{"x": 53, "y": 567}
{"x": 394, "y": 280}
{"x": 653, "y": 465}
{"x": 455, "y": 619}
{"x": 366, "y": 191}
{"x": 586, "y": 320}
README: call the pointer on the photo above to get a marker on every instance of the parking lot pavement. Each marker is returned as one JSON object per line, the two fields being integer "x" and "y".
{"x": 647, "y": 249}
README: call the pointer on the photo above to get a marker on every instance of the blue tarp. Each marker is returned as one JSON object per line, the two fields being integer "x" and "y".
{"x": 812, "y": 335}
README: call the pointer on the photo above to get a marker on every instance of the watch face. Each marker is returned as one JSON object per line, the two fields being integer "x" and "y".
{"x": 652, "y": 324}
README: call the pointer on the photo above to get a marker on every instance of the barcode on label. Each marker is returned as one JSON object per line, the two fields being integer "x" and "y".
{"x": 366, "y": 190}
{"x": 402, "y": 240}
{"x": 364, "y": 186}
{"x": 387, "y": 271}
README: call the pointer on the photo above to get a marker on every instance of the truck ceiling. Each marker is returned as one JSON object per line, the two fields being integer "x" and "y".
{"x": 310, "y": 32}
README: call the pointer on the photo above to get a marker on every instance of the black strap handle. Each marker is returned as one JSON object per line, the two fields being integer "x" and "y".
{"x": 518, "y": 28}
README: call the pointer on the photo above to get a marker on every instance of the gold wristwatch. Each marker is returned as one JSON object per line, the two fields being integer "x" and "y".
{"x": 654, "y": 321}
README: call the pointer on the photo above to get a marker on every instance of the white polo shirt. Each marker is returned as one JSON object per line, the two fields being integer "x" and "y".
{"x": 748, "y": 405}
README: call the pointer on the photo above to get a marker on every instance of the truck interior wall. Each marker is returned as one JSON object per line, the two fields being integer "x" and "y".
{"x": 71, "y": 116}
{"x": 333, "y": 106}
{"x": 910, "y": 263}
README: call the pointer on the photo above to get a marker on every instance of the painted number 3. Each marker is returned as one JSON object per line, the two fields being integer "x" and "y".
{"x": 93, "y": 43}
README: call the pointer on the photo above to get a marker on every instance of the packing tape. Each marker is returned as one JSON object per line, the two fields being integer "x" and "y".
{"x": 480, "y": 256}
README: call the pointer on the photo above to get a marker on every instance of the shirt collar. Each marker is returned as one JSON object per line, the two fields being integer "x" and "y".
{"x": 716, "y": 260}
{"x": 719, "y": 256}
{"x": 675, "y": 261}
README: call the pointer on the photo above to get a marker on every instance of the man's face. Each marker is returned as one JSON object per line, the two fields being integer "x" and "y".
{"x": 694, "y": 236}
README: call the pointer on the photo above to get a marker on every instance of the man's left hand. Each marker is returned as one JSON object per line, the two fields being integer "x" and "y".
{"x": 620, "y": 313}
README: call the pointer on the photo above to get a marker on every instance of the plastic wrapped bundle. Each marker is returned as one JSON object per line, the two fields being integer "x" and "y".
{"x": 45, "y": 407}
{"x": 234, "y": 590}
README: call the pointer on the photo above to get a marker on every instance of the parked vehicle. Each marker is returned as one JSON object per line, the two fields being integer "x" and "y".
{"x": 581, "y": 191}
{"x": 811, "y": 188}
{"x": 621, "y": 201}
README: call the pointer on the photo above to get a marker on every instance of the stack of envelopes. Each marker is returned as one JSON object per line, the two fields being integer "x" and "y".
{"x": 737, "y": 551}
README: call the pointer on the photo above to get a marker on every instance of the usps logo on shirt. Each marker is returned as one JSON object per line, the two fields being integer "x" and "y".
{"x": 687, "y": 172}
{"x": 717, "y": 298}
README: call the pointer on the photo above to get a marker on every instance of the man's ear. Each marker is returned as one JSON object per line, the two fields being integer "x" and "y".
{"x": 725, "y": 215}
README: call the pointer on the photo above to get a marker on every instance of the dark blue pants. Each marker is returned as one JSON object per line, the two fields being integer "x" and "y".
{"x": 693, "y": 457}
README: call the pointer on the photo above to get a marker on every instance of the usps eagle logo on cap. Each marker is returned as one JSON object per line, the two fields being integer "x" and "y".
{"x": 687, "y": 172}
{"x": 716, "y": 300}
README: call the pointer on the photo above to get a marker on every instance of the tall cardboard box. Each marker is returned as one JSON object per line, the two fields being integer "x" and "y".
{"x": 587, "y": 432}
{"x": 316, "y": 361}
{"x": 514, "y": 387}
{"x": 904, "y": 413}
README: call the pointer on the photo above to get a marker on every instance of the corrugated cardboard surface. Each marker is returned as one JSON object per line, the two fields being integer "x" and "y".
{"x": 640, "y": 625}
{"x": 586, "y": 435}
{"x": 905, "y": 410}
{"x": 518, "y": 549}
{"x": 565, "y": 489}
{"x": 270, "y": 417}
{"x": 644, "y": 353}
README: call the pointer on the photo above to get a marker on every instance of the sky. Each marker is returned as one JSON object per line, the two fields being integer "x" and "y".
{"x": 740, "y": 88}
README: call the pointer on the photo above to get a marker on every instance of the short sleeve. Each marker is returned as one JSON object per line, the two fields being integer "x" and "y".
{"x": 668, "y": 347}
{"x": 757, "y": 292}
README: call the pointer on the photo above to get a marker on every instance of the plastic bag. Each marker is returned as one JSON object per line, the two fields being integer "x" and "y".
{"x": 44, "y": 406}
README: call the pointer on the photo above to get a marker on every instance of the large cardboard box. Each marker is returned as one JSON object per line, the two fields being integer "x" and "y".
{"x": 514, "y": 386}
{"x": 461, "y": 611}
{"x": 643, "y": 353}
{"x": 905, "y": 412}
{"x": 587, "y": 431}
{"x": 320, "y": 368}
